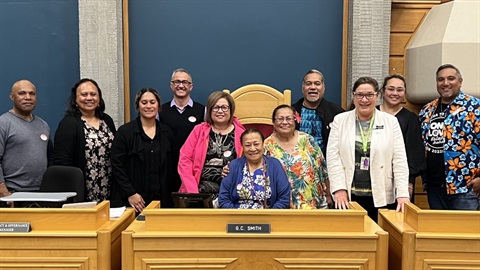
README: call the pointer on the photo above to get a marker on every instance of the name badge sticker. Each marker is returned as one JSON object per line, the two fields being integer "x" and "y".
{"x": 192, "y": 119}
{"x": 227, "y": 153}
{"x": 92, "y": 136}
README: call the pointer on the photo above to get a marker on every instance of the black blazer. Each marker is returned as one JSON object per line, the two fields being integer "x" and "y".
{"x": 128, "y": 163}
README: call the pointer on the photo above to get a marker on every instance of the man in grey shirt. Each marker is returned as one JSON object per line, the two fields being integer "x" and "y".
{"x": 25, "y": 146}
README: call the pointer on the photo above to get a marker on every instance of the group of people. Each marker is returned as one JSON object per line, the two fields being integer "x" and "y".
{"x": 130, "y": 166}
{"x": 318, "y": 156}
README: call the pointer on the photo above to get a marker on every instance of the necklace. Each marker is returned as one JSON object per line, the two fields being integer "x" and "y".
{"x": 222, "y": 131}
{"x": 266, "y": 183}
{"x": 442, "y": 108}
{"x": 287, "y": 145}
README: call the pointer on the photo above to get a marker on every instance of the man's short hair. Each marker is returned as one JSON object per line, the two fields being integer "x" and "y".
{"x": 181, "y": 70}
{"x": 314, "y": 71}
{"x": 442, "y": 67}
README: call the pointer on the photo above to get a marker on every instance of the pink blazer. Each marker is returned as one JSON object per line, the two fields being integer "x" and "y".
{"x": 194, "y": 152}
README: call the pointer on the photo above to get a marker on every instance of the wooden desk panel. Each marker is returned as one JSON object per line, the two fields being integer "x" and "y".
{"x": 432, "y": 239}
{"x": 63, "y": 238}
{"x": 296, "y": 241}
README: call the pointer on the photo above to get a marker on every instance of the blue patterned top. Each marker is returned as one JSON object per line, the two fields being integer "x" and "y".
{"x": 461, "y": 134}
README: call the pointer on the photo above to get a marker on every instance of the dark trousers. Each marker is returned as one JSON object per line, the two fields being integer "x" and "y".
{"x": 439, "y": 200}
{"x": 437, "y": 197}
{"x": 367, "y": 203}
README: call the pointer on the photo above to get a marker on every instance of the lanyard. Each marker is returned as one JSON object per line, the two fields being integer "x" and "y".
{"x": 366, "y": 136}
{"x": 265, "y": 184}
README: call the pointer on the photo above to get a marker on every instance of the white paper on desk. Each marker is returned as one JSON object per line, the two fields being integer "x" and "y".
{"x": 117, "y": 212}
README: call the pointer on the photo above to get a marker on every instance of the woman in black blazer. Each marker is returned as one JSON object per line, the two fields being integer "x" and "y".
{"x": 142, "y": 157}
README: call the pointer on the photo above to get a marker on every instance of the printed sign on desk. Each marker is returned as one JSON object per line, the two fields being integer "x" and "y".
{"x": 15, "y": 227}
{"x": 248, "y": 228}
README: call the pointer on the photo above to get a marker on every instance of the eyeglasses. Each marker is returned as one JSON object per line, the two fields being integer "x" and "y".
{"x": 224, "y": 108}
{"x": 281, "y": 119}
{"x": 309, "y": 83}
{"x": 177, "y": 83}
{"x": 360, "y": 96}
{"x": 398, "y": 90}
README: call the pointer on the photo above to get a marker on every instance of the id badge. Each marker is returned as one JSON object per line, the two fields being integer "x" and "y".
{"x": 364, "y": 163}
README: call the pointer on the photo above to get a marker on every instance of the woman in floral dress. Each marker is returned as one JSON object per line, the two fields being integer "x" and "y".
{"x": 302, "y": 160}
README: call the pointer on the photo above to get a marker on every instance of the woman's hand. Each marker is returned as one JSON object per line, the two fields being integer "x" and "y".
{"x": 225, "y": 170}
{"x": 341, "y": 199}
{"x": 137, "y": 202}
{"x": 401, "y": 203}
{"x": 329, "y": 201}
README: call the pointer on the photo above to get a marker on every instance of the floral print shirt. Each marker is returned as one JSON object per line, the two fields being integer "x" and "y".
{"x": 254, "y": 190}
{"x": 461, "y": 134}
{"x": 98, "y": 167}
{"x": 306, "y": 170}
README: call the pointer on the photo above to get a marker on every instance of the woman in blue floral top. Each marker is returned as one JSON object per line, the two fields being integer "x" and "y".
{"x": 255, "y": 181}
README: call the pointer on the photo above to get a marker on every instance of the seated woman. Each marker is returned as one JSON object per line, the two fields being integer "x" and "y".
{"x": 302, "y": 159}
{"x": 142, "y": 157}
{"x": 210, "y": 146}
{"x": 255, "y": 181}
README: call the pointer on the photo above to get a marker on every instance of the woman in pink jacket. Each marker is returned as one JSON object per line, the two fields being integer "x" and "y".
{"x": 210, "y": 146}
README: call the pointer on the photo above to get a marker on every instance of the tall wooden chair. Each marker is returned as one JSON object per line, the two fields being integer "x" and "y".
{"x": 254, "y": 105}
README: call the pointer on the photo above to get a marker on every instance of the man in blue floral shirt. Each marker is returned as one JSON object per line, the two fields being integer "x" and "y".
{"x": 451, "y": 133}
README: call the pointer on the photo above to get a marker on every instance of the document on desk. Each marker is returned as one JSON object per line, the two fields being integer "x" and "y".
{"x": 116, "y": 212}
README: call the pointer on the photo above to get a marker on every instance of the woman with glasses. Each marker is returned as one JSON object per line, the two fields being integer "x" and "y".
{"x": 142, "y": 157}
{"x": 84, "y": 139}
{"x": 393, "y": 92}
{"x": 302, "y": 160}
{"x": 364, "y": 152}
{"x": 210, "y": 146}
{"x": 256, "y": 181}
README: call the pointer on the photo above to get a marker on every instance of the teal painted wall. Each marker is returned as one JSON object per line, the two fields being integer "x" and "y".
{"x": 230, "y": 43}
{"x": 39, "y": 42}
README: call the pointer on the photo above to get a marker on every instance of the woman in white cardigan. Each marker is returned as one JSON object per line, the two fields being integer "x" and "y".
{"x": 366, "y": 157}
